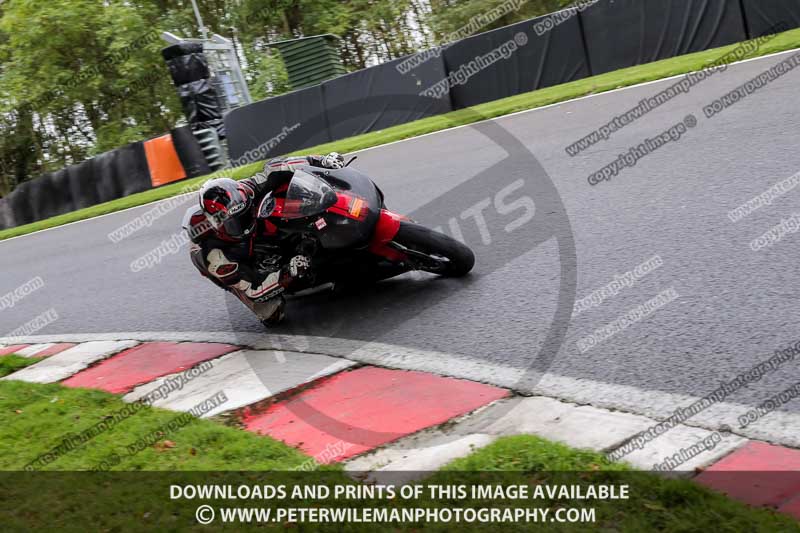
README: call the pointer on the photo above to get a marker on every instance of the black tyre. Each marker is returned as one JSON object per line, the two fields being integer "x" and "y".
{"x": 437, "y": 253}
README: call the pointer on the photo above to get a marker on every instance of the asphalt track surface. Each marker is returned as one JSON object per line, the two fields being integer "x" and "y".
{"x": 736, "y": 306}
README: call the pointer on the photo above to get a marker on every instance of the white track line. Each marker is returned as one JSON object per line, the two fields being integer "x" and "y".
{"x": 612, "y": 91}
{"x": 778, "y": 427}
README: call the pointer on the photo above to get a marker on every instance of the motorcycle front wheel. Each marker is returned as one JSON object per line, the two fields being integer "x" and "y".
{"x": 434, "y": 252}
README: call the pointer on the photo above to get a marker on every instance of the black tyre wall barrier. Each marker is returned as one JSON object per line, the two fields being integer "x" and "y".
{"x": 188, "y": 68}
{"x": 554, "y": 57}
{"x": 45, "y": 198}
{"x": 103, "y": 178}
{"x": 191, "y": 75}
{"x": 62, "y": 187}
{"x": 130, "y": 166}
{"x": 106, "y": 177}
{"x": 624, "y": 33}
{"x": 84, "y": 192}
{"x": 763, "y": 16}
{"x": 181, "y": 49}
{"x": 189, "y": 152}
{"x": 102, "y": 173}
{"x": 5, "y": 215}
{"x": 19, "y": 203}
{"x": 199, "y": 101}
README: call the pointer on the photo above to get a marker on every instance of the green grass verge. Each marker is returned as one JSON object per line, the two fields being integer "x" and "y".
{"x": 11, "y": 363}
{"x": 34, "y": 418}
{"x": 655, "y": 504}
{"x": 596, "y": 84}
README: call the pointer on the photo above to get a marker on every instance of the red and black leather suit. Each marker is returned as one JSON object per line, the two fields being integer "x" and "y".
{"x": 228, "y": 258}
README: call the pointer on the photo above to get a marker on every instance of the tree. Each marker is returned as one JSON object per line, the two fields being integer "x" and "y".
{"x": 65, "y": 93}
{"x": 449, "y": 17}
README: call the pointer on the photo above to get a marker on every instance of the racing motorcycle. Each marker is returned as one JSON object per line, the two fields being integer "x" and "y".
{"x": 339, "y": 219}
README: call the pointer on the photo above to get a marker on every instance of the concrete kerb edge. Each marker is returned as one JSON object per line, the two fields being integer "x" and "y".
{"x": 343, "y": 349}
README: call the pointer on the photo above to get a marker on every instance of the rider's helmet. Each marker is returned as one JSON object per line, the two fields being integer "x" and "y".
{"x": 228, "y": 207}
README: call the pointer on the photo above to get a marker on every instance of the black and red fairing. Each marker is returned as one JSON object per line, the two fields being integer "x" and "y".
{"x": 354, "y": 218}
{"x": 339, "y": 206}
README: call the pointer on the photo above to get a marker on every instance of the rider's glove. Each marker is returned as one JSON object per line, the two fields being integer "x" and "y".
{"x": 299, "y": 265}
{"x": 333, "y": 160}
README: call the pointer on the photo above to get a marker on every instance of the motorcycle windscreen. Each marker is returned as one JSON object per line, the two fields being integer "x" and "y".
{"x": 307, "y": 196}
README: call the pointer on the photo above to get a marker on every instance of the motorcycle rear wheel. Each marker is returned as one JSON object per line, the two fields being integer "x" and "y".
{"x": 435, "y": 252}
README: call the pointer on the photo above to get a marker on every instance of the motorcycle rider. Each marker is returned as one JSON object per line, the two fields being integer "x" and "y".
{"x": 227, "y": 226}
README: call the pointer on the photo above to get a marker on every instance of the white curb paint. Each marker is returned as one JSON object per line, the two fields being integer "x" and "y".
{"x": 403, "y": 463}
{"x": 582, "y": 427}
{"x": 69, "y": 362}
{"x": 31, "y": 351}
{"x": 246, "y": 377}
{"x": 656, "y": 451}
